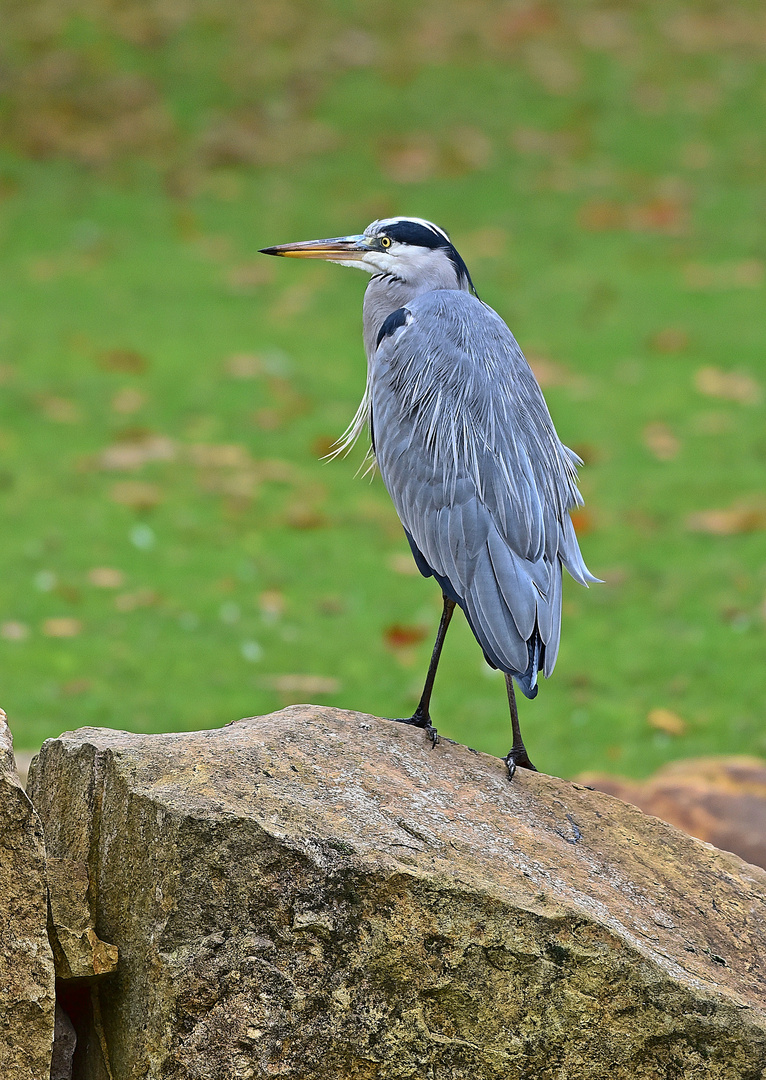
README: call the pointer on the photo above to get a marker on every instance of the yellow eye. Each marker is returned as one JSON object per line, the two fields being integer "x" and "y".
{"x": 385, "y": 241}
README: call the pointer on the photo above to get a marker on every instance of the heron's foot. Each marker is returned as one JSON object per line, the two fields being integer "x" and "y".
{"x": 517, "y": 758}
{"x": 418, "y": 719}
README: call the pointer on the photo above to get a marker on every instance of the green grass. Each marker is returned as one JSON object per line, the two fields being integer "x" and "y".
{"x": 569, "y": 244}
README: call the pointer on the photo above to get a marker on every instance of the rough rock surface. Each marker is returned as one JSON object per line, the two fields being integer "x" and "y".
{"x": 718, "y": 799}
{"x": 78, "y": 952}
{"x": 26, "y": 962}
{"x": 318, "y": 894}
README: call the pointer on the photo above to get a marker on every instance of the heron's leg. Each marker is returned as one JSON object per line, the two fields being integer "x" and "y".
{"x": 517, "y": 756}
{"x": 421, "y": 717}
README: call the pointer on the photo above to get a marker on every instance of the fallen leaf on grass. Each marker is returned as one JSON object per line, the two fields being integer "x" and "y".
{"x": 744, "y": 274}
{"x": 249, "y": 276}
{"x": 128, "y": 400}
{"x": 302, "y": 516}
{"x": 398, "y": 636}
{"x": 548, "y": 372}
{"x": 136, "y": 494}
{"x": 667, "y": 721}
{"x": 238, "y": 485}
{"x": 729, "y": 522}
{"x": 411, "y": 160}
{"x": 661, "y": 215}
{"x": 139, "y": 599}
{"x": 62, "y": 627}
{"x": 601, "y": 215}
{"x": 129, "y": 455}
{"x": 660, "y": 441}
{"x": 218, "y": 455}
{"x": 272, "y": 604}
{"x": 75, "y": 687}
{"x": 106, "y": 577}
{"x": 302, "y": 684}
{"x": 324, "y": 445}
{"x": 244, "y": 366}
{"x": 551, "y": 144}
{"x": 582, "y": 521}
{"x": 60, "y": 410}
{"x": 401, "y": 563}
{"x": 125, "y": 361}
{"x": 670, "y": 340}
{"x": 729, "y": 385}
{"x": 14, "y": 631}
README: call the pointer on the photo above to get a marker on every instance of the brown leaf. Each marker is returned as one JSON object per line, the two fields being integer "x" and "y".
{"x": 302, "y": 684}
{"x": 136, "y": 494}
{"x": 60, "y": 410}
{"x": 128, "y": 400}
{"x": 601, "y": 215}
{"x": 299, "y": 515}
{"x": 549, "y": 372}
{"x": 551, "y": 144}
{"x": 125, "y": 361}
{"x": 244, "y": 366}
{"x": 398, "y": 636}
{"x": 670, "y": 340}
{"x": 667, "y": 721}
{"x": 743, "y": 274}
{"x": 662, "y": 215}
{"x": 402, "y": 563}
{"x": 106, "y": 577}
{"x": 128, "y": 456}
{"x": 272, "y": 604}
{"x": 582, "y": 521}
{"x": 74, "y": 687}
{"x": 138, "y": 599}
{"x": 660, "y": 441}
{"x": 411, "y": 161}
{"x": 323, "y": 445}
{"x": 249, "y": 276}
{"x": 736, "y": 519}
{"x": 729, "y": 385}
{"x": 219, "y": 455}
{"x": 554, "y": 69}
{"x": 62, "y": 627}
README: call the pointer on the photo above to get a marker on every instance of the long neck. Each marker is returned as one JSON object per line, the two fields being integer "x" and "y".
{"x": 385, "y": 294}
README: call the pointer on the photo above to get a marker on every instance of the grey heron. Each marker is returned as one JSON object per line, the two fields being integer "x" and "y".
{"x": 467, "y": 449}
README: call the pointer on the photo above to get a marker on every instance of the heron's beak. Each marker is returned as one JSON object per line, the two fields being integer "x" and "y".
{"x": 339, "y": 249}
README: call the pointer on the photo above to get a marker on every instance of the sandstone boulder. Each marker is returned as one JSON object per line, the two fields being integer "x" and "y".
{"x": 318, "y": 894}
{"x": 26, "y": 963}
{"x": 718, "y": 799}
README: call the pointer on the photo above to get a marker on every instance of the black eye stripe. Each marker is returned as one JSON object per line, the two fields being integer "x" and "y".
{"x": 410, "y": 232}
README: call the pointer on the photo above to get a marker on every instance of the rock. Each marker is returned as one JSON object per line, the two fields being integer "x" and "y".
{"x": 78, "y": 952}
{"x": 26, "y": 964}
{"x": 718, "y": 799}
{"x": 318, "y": 894}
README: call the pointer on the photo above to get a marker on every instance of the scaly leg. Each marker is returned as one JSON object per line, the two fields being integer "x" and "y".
{"x": 517, "y": 756}
{"x": 421, "y": 717}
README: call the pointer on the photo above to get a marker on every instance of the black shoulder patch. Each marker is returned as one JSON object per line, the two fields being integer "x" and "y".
{"x": 392, "y": 322}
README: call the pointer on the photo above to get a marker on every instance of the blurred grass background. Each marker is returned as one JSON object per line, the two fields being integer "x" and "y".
{"x": 174, "y": 552}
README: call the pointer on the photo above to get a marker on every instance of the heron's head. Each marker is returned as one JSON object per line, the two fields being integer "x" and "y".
{"x": 407, "y": 249}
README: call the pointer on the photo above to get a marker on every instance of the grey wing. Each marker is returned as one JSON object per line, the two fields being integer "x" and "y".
{"x": 478, "y": 476}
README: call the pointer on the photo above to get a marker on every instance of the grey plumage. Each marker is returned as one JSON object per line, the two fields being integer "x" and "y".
{"x": 465, "y": 444}
{"x": 468, "y": 452}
